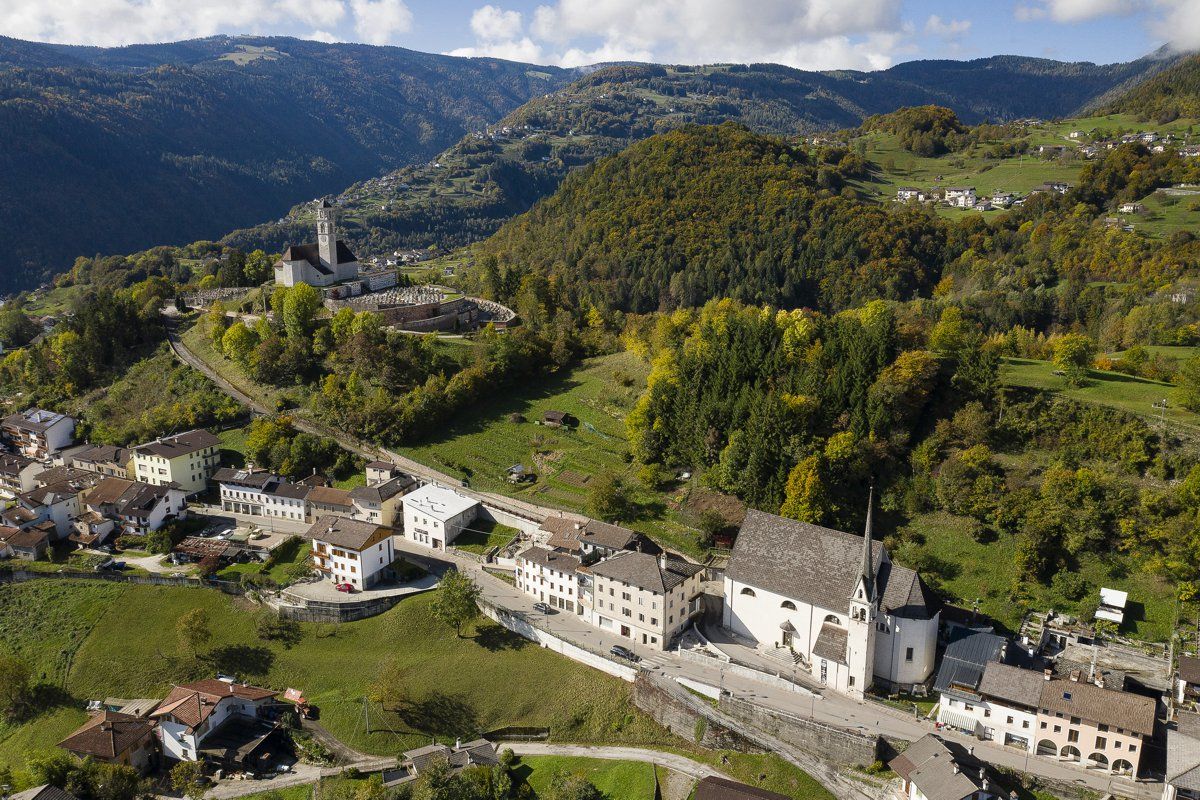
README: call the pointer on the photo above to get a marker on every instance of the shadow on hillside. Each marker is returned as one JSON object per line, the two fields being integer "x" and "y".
{"x": 495, "y": 638}
{"x": 440, "y": 714}
{"x": 241, "y": 659}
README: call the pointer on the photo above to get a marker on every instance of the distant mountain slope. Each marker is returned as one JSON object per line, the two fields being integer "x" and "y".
{"x": 470, "y": 189}
{"x": 111, "y": 150}
{"x": 1172, "y": 93}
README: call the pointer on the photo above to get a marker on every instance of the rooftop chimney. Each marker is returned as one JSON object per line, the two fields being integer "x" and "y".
{"x": 457, "y": 743}
{"x": 956, "y": 769}
{"x": 1074, "y": 676}
{"x": 1049, "y": 673}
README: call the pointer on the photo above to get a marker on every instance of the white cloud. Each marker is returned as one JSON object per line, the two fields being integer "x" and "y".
{"x": 118, "y": 22}
{"x": 947, "y": 28}
{"x": 1176, "y": 21}
{"x": 1076, "y": 10}
{"x": 378, "y": 21}
{"x": 1179, "y": 23}
{"x": 494, "y": 24}
{"x": 814, "y": 34}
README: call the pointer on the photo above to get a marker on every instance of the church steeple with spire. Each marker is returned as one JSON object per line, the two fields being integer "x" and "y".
{"x": 864, "y": 608}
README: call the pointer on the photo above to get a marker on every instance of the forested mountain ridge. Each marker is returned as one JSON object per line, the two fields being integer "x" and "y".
{"x": 471, "y": 188}
{"x": 1172, "y": 93}
{"x": 115, "y": 150}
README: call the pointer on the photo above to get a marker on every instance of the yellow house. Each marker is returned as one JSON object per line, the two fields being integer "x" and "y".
{"x": 186, "y": 459}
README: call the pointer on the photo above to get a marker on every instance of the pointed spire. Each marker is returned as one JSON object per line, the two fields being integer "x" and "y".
{"x": 868, "y": 561}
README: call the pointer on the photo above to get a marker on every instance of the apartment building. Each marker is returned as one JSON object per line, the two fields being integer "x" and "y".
{"x": 1104, "y": 729}
{"x": 647, "y": 599}
{"x": 187, "y": 460}
{"x": 550, "y": 577}
{"x": 434, "y": 515}
{"x": 351, "y": 551}
{"x": 38, "y": 433}
{"x": 259, "y": 493}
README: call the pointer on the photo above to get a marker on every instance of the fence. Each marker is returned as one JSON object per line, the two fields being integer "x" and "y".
{"x": 10, "y": 575}
{"x": 514, "y": 733}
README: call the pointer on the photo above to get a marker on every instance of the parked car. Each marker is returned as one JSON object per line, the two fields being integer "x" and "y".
{"x": 348, "y": 588}
{"x": 625, "y": 653}
{"x": 542, "y": 607}
{"x": 103, "y": 565}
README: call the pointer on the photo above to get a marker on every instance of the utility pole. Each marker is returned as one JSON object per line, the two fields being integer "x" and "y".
{"x": 1161, "y": 405}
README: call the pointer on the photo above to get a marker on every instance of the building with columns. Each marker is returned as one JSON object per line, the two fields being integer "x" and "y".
{"x": 847, "y": 614}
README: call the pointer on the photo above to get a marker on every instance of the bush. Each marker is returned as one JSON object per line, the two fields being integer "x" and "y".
{"x": 1070, "y": 585}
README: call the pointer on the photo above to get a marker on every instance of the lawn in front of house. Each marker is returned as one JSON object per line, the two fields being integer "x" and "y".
{"x": 284, "y": 558}
{"x": 616, "y": 780}
{"x": 483, "y": 535}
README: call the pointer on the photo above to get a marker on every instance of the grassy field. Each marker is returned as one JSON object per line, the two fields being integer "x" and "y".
{"x": 99, "y": 641}
{"x": 617, "y": 780}
{"x": 1125, "y": 392}
{"x": 481, "y": 444}
{"x": 1166, "y": 214}
{"x": 971, "y": 572}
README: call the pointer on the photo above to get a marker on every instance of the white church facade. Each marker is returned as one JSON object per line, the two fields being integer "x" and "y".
{"x": 322, "y": 263}
{"x": 836, "y": 600}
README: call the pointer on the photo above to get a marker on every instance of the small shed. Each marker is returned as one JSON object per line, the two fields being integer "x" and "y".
{"x": 1112, "y": 605}
{"x": 559, "y": 419}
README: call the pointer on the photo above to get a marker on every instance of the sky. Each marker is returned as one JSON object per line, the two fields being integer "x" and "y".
{"x": 810, "y": 34}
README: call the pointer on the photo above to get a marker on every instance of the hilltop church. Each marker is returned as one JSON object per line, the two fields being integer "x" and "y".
{"x": 322, "y": 263}
{"x": 847, "y": 614}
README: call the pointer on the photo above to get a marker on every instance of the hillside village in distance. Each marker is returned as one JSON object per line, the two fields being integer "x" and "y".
{"x": 802, "y": 640}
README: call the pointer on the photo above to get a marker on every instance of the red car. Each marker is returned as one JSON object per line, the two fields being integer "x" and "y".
{"x": 344, "y": 587}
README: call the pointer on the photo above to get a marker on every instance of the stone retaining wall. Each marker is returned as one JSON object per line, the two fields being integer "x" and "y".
{"x": 843, "y": 747}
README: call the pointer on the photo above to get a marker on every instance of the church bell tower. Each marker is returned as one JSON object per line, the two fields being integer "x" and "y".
{"x": 326, "y": 233}
{"x": 864, "y": 608}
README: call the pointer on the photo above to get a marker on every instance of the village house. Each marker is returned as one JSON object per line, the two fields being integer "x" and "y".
{"x": 351, "y": 551}
{"x": 907, "y": 193}
{"x": 56, "y": 502}
{"x": 111, "y": 737}
{"x": 1182, "y": 779}
{"x": 1001, "y": 706}
{"x": 378, "y": 472}
{"x": 380, "y": 503}
{"x": 104, "y": 459}
{"x": 647, "y": 599}
{"x": 435, "y": 515}
{"x": 134, "y": 507}
{"x": 43, "y": 792}
{"x": 196, "y": 712}
{"x": 259, "y": 493}
{"x": 1056, "y": 186}
{"x": 961, "y": 196}
{"x": 1104, "y": 729}
{"x": 835, "y": 600}
{"x": 550, "y": 577}
{"x": 37, "y": 433}
{"x": 187, "y": 460}
{"x": 478, "y": 753}
{"x": 24, "y": 544}
{"x": 714, "y": 788}
{"x": 328, "y": 500}
{"x": 591, "y": 539}
{"x": 1131, "y": 208}
{"x": 933, "y": 768}
{"x": 322, "y": 263}
{"x": 17, "y": 474}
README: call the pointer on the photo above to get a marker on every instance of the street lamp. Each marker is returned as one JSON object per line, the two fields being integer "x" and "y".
{"x": 1161, "y": 406}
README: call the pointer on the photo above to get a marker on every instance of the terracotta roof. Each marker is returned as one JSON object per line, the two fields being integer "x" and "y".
{"x": 107, "y": 735}
{"x": 180, "y": 444}
{"x": 713, "y": 788}
{"x": 645, "y": 572}
{"x": 1011, "y": 684}
{"x": 831, "y": 643}
{"x": 329, "y": 496}
{"x": 1114, "y": 708}
{"x": 564, "y": 562}
{"x": 943, "y": 770}
{"x": 193, "y": 703}
{"x": 127, "y": 498}
{"x": 343, "y": 532}
{"x": 814, "y": 565}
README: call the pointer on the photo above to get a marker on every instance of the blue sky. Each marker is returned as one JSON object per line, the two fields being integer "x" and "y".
{"x": 815, "y": 34}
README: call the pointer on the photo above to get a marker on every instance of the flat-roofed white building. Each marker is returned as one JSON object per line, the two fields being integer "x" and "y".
{"x": 435, "y": 515}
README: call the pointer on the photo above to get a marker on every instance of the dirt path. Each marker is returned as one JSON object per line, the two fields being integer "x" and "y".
{"x": 694, "y": 770}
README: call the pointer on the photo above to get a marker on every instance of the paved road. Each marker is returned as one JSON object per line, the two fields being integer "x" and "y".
{"x": 686, "y": 766}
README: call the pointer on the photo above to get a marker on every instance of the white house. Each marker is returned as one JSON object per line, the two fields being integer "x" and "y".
{"x": 351, "y": 551}
{"x": 961, "y": 196}
{"x": 833, "y": 599}
{"x": 1002, "y": 707}
{"x": 37, "y": 433}
{"x": 435, "y": 515}
{"x": 134, "y": 507}
{"x": 17, "y": 474}
{"x": 1112, "y": 605}
{"x": 906, "y": 193}
{"x": 591, "y": 538}
{"x": 193, "y": 712}
{"x": 259, "y": 493}
{"x": 187, "y": 460}
{"x": 550, "y": 577}
{"x": 322, "y": 263}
